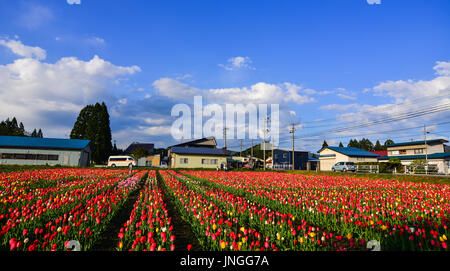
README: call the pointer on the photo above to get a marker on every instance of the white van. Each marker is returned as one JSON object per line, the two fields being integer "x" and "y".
{"x": 121, "y": 161}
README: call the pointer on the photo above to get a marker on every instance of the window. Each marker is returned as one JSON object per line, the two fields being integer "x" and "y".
{"x": 360, "y": 159}
{"x": 53, "y": 157}
{"x": 210, "y": 161}
{"x": 418, "y": 151}
{"x": 395, "y": 152}
{"x": 184, "y": 160}
{"x": 402, "y": 152}
{"x": 27, "y": 156}
{"x": 117, "y": 159}
{"x": 276, "y": 156}
{"x": 31, "y": 156}
{"x": 285, "y": 155}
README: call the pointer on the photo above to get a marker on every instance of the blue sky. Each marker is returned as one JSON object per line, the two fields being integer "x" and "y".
{"x": 343, "y": 61}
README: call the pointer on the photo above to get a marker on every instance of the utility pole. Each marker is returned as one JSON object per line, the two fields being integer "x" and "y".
{"x": 264, "y": 143}
{"x": 240, "y": 154}
{"x": 292, "y": 131}
{"x": 273, "y": 157}
{"x": 426, "y": 149}
{"x": 251, "y": 155}
{"x": 225, "y": 136}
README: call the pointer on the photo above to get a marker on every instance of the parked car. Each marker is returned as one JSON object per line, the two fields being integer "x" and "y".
{"x": 121, "y": 161}
{"x": 344, "y": 166}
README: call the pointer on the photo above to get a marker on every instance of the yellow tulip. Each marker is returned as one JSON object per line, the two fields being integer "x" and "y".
{"x": 445, "y": 237}
{"x": 214, "y": 227}
{"x": 223, "y": 244}
{"x": 278, "y": 236}
{"x": 349, "y": 236}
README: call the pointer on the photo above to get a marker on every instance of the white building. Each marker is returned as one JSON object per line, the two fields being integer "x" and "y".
{"x": 44, "y": 151}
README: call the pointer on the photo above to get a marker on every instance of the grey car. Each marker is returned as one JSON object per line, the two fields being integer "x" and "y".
{"x": 344, "y": 166}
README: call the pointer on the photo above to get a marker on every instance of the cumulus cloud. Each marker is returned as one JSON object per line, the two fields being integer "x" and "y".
{"x": 39, "y": 93}
{"x": 403, "y": 90}
{"x": 259, "y": 93}
{"x": 18, "y": 48}
{"x": 238, "y": 62}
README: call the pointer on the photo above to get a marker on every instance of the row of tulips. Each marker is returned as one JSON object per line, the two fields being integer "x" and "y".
{"x": 282, "y": 230}
{"x": 149, "y": 226}
{"x": 402, "y": 216}
{"x": 80, "y": 214}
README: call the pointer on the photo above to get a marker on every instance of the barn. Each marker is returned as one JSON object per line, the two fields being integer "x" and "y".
{"x": 16, "y": 150}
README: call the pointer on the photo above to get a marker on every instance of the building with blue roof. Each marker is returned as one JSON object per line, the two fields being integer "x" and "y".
{"x": 433, "y": 150}
{"x": 329, "y": 156}
{"x": 16, "y": 150}
{"x": 200, "y": 153}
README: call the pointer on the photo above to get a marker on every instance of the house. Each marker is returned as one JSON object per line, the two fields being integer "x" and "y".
{"x": 135, "y": 145}
{"x": 200, "y": 153}
{"x": 329, "y": 156}
{"x": 434, "y": 150}
{"x": 44, "y": 151}
{"x": 150, "y": 161}
{"x": 283, "y": 160}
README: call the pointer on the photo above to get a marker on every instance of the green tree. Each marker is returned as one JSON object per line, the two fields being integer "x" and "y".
{"x": 325, "y": 144}
{"x": 93, "y": 123}
{"x": 341, "y": 145}
{"x": 388, "y": 142}
{"x": 378, "y": 146}
{"x": 139, "y": 153}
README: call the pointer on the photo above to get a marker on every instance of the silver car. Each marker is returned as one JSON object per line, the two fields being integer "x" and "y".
{"x": 344, "y": 166}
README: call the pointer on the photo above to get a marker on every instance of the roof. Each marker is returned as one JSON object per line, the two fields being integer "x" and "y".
{"x": 429, "y": 142}
{"x": 203, "y": 142}
{"x": 439, "y": 155}
{"x": 352, "y": 152}
{"x": 146, "y": 146}
{"x": 200, "y": 151}
{"x": 43, "y": 143}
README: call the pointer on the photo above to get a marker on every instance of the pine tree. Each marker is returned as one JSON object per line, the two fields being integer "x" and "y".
{"x": 93, "y": 123}
{"x": 325, "y": 144}
{"x": 39, "y": 134}
{"x": 341, "y": 145}
{"x": 34, "y": 133}
{"x": 378, "y": 146}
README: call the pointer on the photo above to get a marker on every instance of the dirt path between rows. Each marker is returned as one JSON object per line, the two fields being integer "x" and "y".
{"x": 181, "y": 229}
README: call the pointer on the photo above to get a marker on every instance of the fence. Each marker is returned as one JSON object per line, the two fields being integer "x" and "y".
{"x": 368, "y": 168}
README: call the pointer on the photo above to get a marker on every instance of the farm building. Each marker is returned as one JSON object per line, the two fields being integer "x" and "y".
{"x": 283, "y": 160}
{"x": 434, "y": 150}
{"x": 201, "y": 153}
{"x": 329, "y": 156}
{"x": 44, "y": 151}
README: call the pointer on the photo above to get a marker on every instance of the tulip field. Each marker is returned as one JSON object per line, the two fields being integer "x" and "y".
{"x": 48, "y": 209}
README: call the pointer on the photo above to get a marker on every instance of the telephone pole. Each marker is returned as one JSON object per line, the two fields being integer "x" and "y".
{"x": 225, "y": 136}
{"x": 426, "y": 149}
{"x": 240, "y": 154}
{"x": 292, "y": 131}
{"x": 251, "y": 155}
{"x": 264, "y": 143}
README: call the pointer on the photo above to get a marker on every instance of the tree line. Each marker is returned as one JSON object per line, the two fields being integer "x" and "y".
{"x": 364, "y": 144}
{"x": 11, "y": 127}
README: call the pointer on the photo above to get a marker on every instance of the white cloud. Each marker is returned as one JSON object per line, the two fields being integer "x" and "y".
{"x": 372, "y": 2}
{"x": 259, "y": 93}
{"x": 406, "y": 90}
{"x": 19, "y": 49}
{"x": 238, "y": 62}
{"x": 46, "y": 95}
{"x": 76, "y": 2}
{"x": 346, "y": 97}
